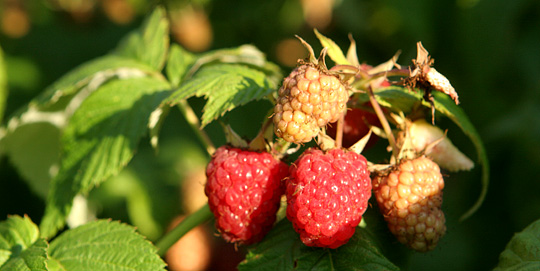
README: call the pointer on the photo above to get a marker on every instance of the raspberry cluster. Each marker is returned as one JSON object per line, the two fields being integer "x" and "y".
{"x": 309, "y": 99}
{"x": 244, "y": 189}
{"x": 327, "y": 194}
{"x": 410, "y": 198}
{"x": 328, "y": 188}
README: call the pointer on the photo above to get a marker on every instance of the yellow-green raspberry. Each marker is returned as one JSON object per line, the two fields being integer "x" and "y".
{"x": 308, "y": 99}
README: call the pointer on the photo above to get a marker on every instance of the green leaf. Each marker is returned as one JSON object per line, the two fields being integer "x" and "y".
{"x": 3, "y": 85}
{"x": 178, "y": 64}
{"x": 32, "y": 138}
{"x": 282, "y": 249}
{"x": 100, "y": 140}
{"x": 34, "y": 149}
{"x": 32, "y": 258}
{"x": 226, "y": 86}
{"x": 244, "y": 54}
{"x": 20, "y": 245}
{"x": 403, "y": 99}
{"x": 141, "y": 201}
{"x": 149, "y": 43}
{"x": 89, "y": 76}
{"x": 32, "y": 135}
{"x": 396, "y": 98}
{"x": 522, "y": 252}
{"x": 334, "y": 52}
{"x": 104, "y": 245}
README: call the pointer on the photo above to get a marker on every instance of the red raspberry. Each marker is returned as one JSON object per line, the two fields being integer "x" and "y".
{"x": 356, "y": 127}
{"x": 327, "y": 194}
{"x": 244, "y": 189}
{"x": 410, "y": 198}
{"x": 309, "y": 99}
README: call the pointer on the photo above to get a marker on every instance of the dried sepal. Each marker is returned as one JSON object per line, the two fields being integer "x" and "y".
{"x": 428, "y": 78}
{"x": 352, "y": 55}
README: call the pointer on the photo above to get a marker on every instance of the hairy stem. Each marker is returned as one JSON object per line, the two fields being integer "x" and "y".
{"x": 195, "y": 124}
{"x": 193, "y": 220}
{"x": 339, "y": 131}
{"x": 384, "y": 122}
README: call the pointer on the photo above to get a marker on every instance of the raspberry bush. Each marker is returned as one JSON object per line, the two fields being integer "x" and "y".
{"x": 296, "y": 195}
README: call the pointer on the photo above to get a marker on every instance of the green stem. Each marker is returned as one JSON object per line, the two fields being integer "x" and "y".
{"x": 202, "y": 215}
{"x": 195, "y": 124}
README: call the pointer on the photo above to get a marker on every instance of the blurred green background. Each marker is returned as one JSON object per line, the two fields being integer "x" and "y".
{"x": 490, "y": 51}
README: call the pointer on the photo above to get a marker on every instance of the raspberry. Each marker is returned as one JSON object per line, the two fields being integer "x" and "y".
{"x": 309, "y": 99}
{"x": 244, "y": 189}
{"x": 410, "y": 198}
{"x": 356, "y": 127}
{"x": 327, "y": 194}
{"x": 444, "y": 153}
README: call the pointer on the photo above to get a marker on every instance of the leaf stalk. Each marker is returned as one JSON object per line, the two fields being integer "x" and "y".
{"x": 195, "y": 125}
{"x": 202, "y": 215}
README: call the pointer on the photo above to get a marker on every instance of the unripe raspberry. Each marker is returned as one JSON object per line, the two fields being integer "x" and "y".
{"x": 327, "y": 194}
{"x": 308, "y": 99}
{"x": 244, "y": 189}
{"x": 410, "y": 198}
{"x": 444, "y": 153}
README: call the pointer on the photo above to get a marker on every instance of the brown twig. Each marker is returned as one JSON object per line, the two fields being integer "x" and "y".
{"x": 384, "y": 122}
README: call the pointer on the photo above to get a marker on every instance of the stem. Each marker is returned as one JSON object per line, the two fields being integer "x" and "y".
{"x": 339, "y": 131}
{"x": 202, "y": 215}
{"x": 267, "y": 123}
{"x": 393, "y": 72}
{"x": 195, "y": 124}
{"x": 384, "y": 122}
